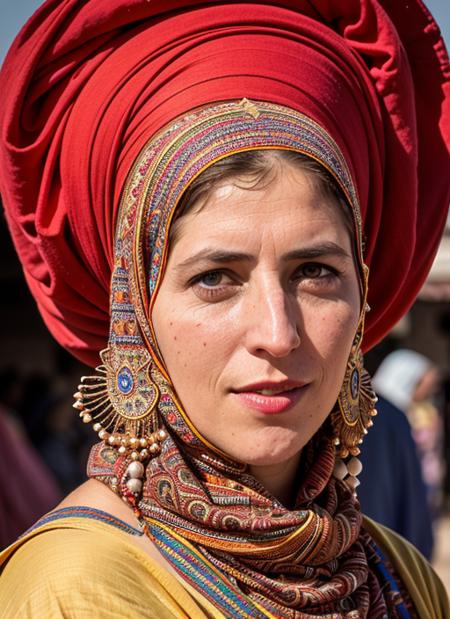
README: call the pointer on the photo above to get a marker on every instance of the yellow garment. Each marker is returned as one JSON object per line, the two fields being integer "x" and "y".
{"x": 82, "y": 568}
{"x": 419, "y": 578}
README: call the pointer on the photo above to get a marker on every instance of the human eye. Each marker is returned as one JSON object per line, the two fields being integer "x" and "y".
{"x": 210, "y": 279}
{"x": 316, "y": 273}
{"x": 213, "y": 285}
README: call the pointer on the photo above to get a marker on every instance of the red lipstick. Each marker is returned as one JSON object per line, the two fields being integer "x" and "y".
{"x": 271, "y": 398}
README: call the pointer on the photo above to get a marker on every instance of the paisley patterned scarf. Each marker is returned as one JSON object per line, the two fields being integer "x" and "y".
{"x": 215, "y": 523}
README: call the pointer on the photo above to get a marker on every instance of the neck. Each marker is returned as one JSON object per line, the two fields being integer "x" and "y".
{"x": 279, "y": 479}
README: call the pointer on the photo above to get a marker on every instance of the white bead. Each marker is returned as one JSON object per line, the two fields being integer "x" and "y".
{"x": 354, "y": 466}
{"x": 352, "y": 482}
{"x": 134, "y": 485}
{"x": 340, "y": 470}
{"x": 162, "y": 435}
{"x": 136, "y": 470}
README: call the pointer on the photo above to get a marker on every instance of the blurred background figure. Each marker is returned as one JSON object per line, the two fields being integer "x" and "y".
{"x": 402, "y": 455}
{"x": 46, "y": 412}
{"x": 412, "y": 383}
{"x": 28, "y": 489}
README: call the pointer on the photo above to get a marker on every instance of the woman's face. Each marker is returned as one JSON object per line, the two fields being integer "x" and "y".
{"x": 256, "y": 314}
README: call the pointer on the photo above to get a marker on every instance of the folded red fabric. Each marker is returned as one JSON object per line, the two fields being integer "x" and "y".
{"x": 86, "y": 84}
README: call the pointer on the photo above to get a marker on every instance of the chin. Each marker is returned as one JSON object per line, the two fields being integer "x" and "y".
{"x": 269, "y": 446}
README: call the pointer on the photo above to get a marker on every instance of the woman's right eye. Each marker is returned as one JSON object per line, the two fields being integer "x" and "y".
{"x": 210, "y": 279}
{"x": 213, "y": 285}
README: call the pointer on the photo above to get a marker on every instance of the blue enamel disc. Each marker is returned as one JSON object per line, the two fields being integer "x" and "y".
{"x": 125, "y": 381}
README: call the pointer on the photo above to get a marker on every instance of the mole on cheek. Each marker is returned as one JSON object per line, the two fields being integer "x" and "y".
{"x": 204, "y": 344}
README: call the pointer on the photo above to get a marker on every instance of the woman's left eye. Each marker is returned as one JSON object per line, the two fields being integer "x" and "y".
{"x": 313, "y": 270}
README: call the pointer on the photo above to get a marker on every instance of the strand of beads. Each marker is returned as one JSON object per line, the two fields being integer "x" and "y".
{"x": 135, "y": 474}
{"x": 348, "y": 472}
{"x": 138, "y": 448}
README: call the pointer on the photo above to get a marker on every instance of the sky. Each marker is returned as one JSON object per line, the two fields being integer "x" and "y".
{"x": 14, "y": 13}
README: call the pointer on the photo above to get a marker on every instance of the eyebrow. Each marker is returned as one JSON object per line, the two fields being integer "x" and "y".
{"x": 222, "y": 256}
{"x": 315, "y": 251}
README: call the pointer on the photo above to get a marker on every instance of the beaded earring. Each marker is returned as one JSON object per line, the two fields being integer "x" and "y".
{"x": 356, "y": 405}
{"x": 121, "y": 400}
{"x": 352, "y": 417}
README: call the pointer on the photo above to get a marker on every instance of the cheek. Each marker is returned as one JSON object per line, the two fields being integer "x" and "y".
{"x": 194, "y": 349}
{"x": 331, "y": 332}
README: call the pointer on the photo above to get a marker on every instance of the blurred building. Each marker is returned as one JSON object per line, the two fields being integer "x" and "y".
{"x": 426, "y": 328}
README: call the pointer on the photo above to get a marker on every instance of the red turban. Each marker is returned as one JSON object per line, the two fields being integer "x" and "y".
{"x": 86, "y": 84}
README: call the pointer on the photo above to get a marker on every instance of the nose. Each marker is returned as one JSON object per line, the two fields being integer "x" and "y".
{"x": 273, "y": 322}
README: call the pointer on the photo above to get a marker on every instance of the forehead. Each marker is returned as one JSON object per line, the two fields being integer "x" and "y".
{"x": 288, "y": 206}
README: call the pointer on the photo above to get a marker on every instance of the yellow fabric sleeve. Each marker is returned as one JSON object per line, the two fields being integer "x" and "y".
{"x": 419, "y": 579}
{"x": 86, "y": 572}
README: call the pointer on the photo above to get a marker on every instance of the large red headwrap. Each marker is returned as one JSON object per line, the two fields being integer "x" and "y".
{"x": 86, "y": 84}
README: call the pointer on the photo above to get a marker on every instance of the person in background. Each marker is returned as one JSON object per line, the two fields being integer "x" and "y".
{"x": 392, "y": 490}
{"x": 411, "y": 381}
{"x": 402, "y": 455}
{"x": 27, "y": 487}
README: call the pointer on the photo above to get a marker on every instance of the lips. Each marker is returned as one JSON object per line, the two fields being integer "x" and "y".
{"x": 271, "y": 397}
{"x": 271, "y": 386}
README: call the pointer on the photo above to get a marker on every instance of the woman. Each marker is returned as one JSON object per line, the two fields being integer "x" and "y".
{"x": 185, "y": 160}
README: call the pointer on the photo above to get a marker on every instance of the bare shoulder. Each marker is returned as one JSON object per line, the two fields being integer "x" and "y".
{"x": 93, "y": 493}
